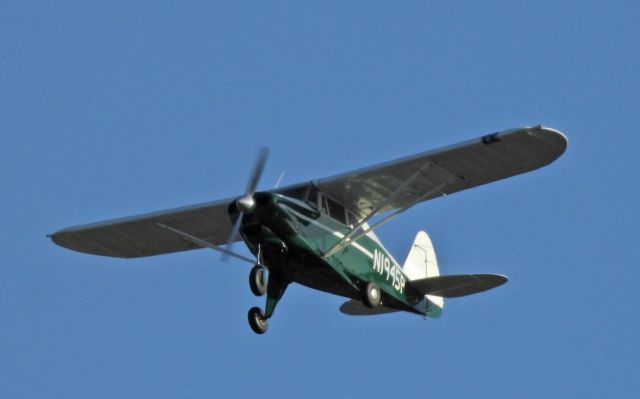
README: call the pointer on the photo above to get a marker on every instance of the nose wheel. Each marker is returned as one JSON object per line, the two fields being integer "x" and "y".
{"x": 257, "y": 320}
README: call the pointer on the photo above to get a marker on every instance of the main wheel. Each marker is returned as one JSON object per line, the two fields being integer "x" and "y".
{"x": 371, "y": 296}
{"x": 257, "y": 281}
{"x": 257, "y": 321}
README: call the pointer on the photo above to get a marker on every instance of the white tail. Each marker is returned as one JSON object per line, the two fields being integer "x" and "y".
{"x": 422, "y": 263}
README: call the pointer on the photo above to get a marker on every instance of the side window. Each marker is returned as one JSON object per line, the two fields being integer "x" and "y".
{"x": 352, "y": 219}
{"x": 306, "y": 193}
{"x": 336, "y": 211}
{"x": 312, "y": 197}
{"x": 322, "y": 204}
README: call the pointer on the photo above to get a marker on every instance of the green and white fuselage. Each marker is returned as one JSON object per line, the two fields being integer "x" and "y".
{"x": 292, "y": 239}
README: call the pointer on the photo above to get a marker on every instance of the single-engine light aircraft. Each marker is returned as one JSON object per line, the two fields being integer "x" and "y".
{"x": 318, "y": 233}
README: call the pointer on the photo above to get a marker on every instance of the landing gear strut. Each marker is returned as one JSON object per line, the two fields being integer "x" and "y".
{"x": 275, "y": 288}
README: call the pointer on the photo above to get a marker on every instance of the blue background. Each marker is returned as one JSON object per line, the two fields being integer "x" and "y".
{"x": 109, "y": 109}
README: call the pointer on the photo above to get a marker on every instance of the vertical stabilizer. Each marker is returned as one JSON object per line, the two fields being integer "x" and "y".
{"x": 422, "y": 263}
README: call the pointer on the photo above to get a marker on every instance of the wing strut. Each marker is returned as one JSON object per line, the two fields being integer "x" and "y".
{"x": 355, "y": 233}
{"x": 205, "y": 244}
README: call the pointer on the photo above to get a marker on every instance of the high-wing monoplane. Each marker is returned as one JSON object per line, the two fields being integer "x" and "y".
{"x": 321, "y": 233}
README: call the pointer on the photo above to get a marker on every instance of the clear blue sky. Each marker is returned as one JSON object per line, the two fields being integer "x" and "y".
{"x": 110, "y": 109}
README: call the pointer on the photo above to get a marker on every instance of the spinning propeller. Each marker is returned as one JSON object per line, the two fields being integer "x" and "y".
{"x": 246, "y": 203}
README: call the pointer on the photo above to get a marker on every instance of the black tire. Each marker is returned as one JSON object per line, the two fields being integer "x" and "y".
{"x": 257, "y": 281}
{"x": 371, "y": 295}
{"x": 257, "y": 321}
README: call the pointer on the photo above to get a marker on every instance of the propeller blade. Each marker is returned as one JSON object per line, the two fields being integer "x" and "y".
{"x": 235, "y": 232}
{"x": 257, "y": 171}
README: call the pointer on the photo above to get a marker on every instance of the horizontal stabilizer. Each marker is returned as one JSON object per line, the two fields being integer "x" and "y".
{"x": 354, "y": 307}
{"x": 457, "y": 285}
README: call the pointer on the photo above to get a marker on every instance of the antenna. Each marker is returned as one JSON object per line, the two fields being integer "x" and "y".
{"x": 279, "y": 180}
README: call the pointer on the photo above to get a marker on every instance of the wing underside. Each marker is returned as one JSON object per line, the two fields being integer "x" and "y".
{"x": 140, "y": 235}
{"x": 404, "y": 182}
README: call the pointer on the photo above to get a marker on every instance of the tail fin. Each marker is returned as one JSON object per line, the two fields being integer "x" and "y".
{"x": 422, "y": 263}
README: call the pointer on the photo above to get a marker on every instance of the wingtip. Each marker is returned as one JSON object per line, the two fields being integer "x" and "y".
{"x": 560, "y": 139}
{"x": 53, "y": 235}
{"x": 502, "y": 279}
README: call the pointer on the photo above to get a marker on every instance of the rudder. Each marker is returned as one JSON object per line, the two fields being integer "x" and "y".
{"x": 421, "y": 263}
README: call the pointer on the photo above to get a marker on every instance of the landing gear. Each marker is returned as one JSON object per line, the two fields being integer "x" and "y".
{"x": 371, "y": 295}
{"x": 257, "y": 320}
{"x": 257, "y": 281}
{"x": 275, "y": 288}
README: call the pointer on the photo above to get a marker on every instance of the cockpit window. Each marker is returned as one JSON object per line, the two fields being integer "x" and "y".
{"x": 298, "y": 192}
{"x": 352, "y": 219}
{"x": 336, "y": 211}
{"x": 306, "y": 193}
{"x": 299, "y": 206}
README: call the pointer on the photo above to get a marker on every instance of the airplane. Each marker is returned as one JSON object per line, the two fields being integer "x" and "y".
{"x": 318, "y": 233}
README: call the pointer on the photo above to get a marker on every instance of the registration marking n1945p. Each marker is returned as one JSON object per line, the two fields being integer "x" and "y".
{"x": 383, "y": 266}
